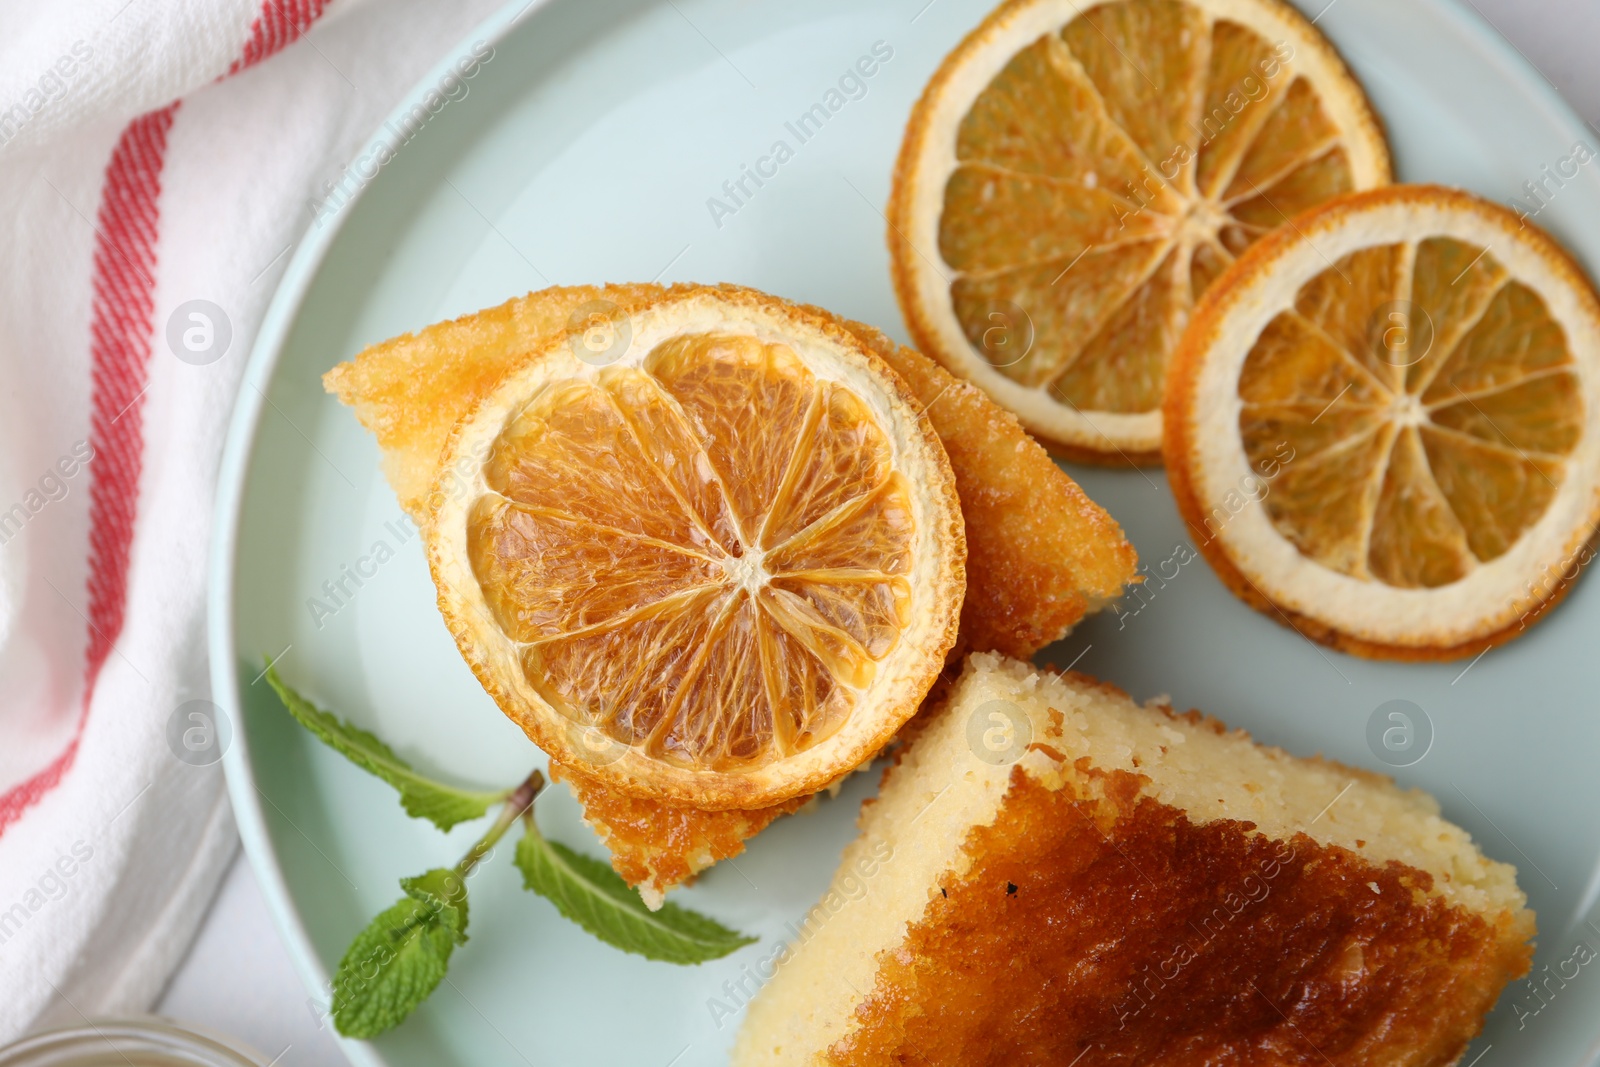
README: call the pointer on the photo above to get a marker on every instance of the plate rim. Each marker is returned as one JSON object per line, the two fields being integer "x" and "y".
{"x": 277, "y": 324}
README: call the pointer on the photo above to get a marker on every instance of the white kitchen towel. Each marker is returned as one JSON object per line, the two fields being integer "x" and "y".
{"x": 158, "y": 160}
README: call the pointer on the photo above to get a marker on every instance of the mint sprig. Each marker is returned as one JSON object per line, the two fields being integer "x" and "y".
{"x": 591, "y": 894}
{"x": 401, "y": 957}
{"x": 422, "y": 797}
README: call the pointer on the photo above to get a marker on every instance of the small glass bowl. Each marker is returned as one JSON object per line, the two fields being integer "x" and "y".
{"x": 142, "y": 1041}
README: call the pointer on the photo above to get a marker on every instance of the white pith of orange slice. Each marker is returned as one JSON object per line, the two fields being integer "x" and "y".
{"x": 718, "y": 532}
{"x": 1077, "y": 173}
{"x": 1382, "y": 425}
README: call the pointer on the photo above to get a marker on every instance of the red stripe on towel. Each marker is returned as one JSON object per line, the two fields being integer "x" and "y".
{"x": 121, "y": 335}
{"x": 279, "y": 23}
{"x": 119, "y": 351}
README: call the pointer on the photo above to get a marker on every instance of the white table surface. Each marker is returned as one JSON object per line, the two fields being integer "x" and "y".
{"x": 237, "y": 978}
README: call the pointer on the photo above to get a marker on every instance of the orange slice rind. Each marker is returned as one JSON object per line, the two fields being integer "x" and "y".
{"x": 1076, "y": 175}
{"x": 723, "y": 535}
{"x": 1380, "y": 427}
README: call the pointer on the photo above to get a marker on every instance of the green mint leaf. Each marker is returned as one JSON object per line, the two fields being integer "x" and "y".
{"x": 444, "y": 892}
{"x": 422, "y": 797}
{"x": 401, "y": 956}
{"x": 588, "y": 892}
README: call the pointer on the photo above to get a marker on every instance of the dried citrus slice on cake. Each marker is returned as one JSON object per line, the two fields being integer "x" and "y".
{"x": 715, "y": 536}
{"x": 1076, "y": 175}
{"x": 1381, "y": 425}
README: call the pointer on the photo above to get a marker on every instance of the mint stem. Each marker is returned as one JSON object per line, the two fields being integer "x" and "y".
{"x": 518, "y": 803}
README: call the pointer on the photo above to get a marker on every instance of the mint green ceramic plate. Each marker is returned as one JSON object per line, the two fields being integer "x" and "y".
{"x": 587, "y": 150}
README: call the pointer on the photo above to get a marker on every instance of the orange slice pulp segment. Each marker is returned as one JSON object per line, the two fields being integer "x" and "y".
{"x": 727, "y": 608}
{"x": 1097, "y": 185}
{"x": 1430, "y": 402}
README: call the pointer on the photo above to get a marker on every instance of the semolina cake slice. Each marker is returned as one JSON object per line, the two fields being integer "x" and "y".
{"x": 1061, "y": 875}
{"x": 1041, "y": 554}
{"x": 656, "y": 844}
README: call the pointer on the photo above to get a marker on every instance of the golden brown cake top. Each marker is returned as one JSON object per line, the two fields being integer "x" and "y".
{"x": 1116, "y": 925}
{"x": 1103, "y": 882}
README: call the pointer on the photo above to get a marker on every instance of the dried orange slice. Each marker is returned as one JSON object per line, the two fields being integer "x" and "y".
{"x": 1381, "y": 425}
{"x": 1076, "y": 175}
{"x": 715, "y": 536}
